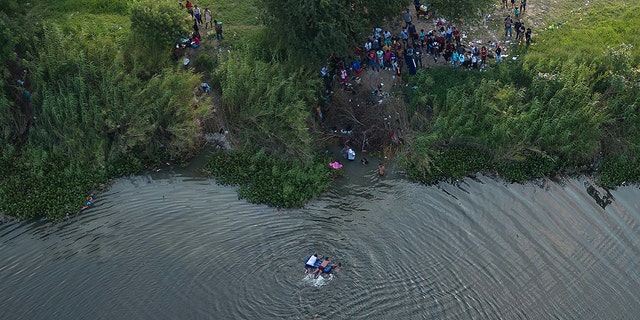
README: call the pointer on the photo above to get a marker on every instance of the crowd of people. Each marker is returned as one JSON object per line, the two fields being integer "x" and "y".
{"x": 197, "y": 14}
{"x": 417, "y": 44}
{"x": 523, "y": 34}
{"x": 411, "y": 48}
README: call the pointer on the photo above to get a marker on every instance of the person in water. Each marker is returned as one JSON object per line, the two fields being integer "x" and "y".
{"x": 351, "y": 155}
{"x": 309, "y": 264}
{"x": 381, "y": 170}
{"x": 364, "y": 161}
{"x": 324, "y": 264}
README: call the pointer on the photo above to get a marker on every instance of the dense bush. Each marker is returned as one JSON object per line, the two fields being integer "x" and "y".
{"x": 89, "y": 117}
{"x": 270, "y": 104}
{"x": 265, "y": 179}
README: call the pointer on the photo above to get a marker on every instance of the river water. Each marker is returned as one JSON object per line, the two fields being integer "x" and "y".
{"x": 177, "y": 246}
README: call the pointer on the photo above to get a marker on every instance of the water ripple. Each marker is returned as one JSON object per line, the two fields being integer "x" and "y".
{"x": 172, "y": 246}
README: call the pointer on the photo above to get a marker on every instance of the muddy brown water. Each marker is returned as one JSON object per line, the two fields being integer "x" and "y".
{"x": 175, "y": 245}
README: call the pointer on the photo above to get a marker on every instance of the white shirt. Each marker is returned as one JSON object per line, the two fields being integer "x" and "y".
{"x": 351, "y": 155}
{"x": 311, "y": 261}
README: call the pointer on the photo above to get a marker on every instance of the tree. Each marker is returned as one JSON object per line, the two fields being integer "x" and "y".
{"x": 313, "y": 30}
{"x": 156, "y": 28}
{"x": 461, "y": 9}
{"x": 158, "y": 25}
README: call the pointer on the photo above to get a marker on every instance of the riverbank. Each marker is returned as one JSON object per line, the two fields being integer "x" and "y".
{"x": 561, "y": 107}
{"x": 446, "y": 124}
{"x": 545, "y": 111}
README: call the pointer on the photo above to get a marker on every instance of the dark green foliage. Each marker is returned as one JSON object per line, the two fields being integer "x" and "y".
{"x": 205, "y": 65}
{"x": 310, "y": 31}
{"x": 530, "y": 165}
{"x": 445, "y": 162}
{"x": 264, "y": 179}
{"x": 12, "y": 7}
{"x": 155, "y": 28}
{"x": 8, "y": 87}
{"x": 92, "y": 6}
{"x": 467, "y": 9}
{"x": 8, "y": 39}
{"x": 616, "y": 170}
{"x": 269, "y": 101}
{"x": 270, "y": 104}
{"x": 158, "y": 25}
{"x": 511, "y": 120}
{"x": 49, "y": 187}
{"x": 91, "y": 119}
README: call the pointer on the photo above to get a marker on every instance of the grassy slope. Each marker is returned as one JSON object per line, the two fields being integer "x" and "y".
{"x": 590, "y": 32}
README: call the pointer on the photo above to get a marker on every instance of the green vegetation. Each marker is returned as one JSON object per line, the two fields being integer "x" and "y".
{"x": 97, "y": 101}
{"x": 90, "y": 91}
{"x": 268, "y": 105}
{"x": 567, "y": 105}
{"x": 266, "y": 179}
{"x": 310, "y": 31}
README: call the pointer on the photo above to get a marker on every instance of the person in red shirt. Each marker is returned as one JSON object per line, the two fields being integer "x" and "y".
{"x": 456, "y": 36}
{"x": 189, "y": 7}
{"x": 483, "y": 55}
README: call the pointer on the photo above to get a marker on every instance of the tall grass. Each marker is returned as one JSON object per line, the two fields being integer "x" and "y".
{"x": 94, "y": 116}
{"x": 568, "y": 105}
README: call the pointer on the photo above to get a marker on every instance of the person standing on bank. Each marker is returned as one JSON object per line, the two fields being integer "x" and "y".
{"x": 196, "y": 29}
{"x": 189, "y": 7}
{"x": 197, "y": 14}
{"x": 207, "y": 18}
{"x": 508, "y": 23}
{"x": 218, "y": 26}
{"x": 498, "y": 53}
{"x": 407, "y": 19}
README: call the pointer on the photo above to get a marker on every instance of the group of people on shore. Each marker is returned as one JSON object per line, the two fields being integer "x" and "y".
{"x": 197, "y": 14}
{"x": 406, "y": 50}
{"x": 523, "y": 34}
{"x": 410, "y": 47}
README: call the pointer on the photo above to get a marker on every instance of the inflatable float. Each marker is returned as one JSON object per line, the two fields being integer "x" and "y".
{"x": 326, "y": 269}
